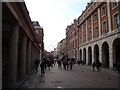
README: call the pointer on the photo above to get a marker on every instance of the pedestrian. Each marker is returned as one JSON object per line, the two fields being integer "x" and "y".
{"x": 49, "y": 64}
{"x": 98, "y": 65}
{"x": 67, "y": 64}
{"x": 118, "y": 67}
{"x": 37, "y": 61}
{"x": 64, "y": 65}
{"x": 42, "y": 65}
{"x": 71, "y": 64}
{"x": 93, "y": 65}
{"x": 114, "y": 66}
{"x": 59, "y": 63}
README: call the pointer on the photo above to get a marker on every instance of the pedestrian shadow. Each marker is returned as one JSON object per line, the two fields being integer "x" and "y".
{"x": 42, "y": 74}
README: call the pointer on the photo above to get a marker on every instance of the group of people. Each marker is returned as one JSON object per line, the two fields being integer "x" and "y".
{"x": 67, "y": 63}
{"x": 44, "y": 64}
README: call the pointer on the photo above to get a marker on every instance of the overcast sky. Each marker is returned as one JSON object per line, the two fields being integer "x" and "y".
{"x": 54, "y": 16}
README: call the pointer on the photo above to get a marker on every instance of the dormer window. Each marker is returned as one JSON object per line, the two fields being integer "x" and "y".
{"x": 89, "y": 11}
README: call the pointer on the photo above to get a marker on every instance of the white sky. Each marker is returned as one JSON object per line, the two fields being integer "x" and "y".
{"x": 54, "y": 16}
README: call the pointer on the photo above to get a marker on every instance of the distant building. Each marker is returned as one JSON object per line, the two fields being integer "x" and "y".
{"x": 39, "y": 33}
{"x": 61, "y": 48}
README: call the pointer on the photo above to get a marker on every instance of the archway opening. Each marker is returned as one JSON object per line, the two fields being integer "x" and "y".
{"x": 89, "y": 56}
{"x": 84, "y": 55}
{"x": 80, "y": 54}
{"x": 105, "y": 55}
{"x": 96, "y": 53}
{"x": 116, "y": 50}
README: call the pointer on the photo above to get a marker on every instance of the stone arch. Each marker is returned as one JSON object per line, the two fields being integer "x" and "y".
{"x": 105, "y": 55}
{"x": 84, "y": 55}
{"x": 96, "y": 53}
{"x": 89, "y": 55}
{"x": 116, "y": 50}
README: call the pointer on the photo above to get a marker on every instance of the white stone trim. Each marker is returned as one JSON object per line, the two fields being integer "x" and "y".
{"x": 109, "y": 18}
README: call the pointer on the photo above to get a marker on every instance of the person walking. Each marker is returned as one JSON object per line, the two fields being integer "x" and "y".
{"x": 114, "y": 66}
{"x": 37, "y": 61}
{"x": 98, "y": 65}
{"x": 71, "y": 64}
{"x": 49, "y": 64}
{"x": 64, "y": 65}
{"x": 67, "y": 64}
{"x": 42, "y": 65}
{"x": 93, "y": 65}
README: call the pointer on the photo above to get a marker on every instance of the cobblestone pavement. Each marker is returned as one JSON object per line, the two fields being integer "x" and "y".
{"x": 79, "y": 77}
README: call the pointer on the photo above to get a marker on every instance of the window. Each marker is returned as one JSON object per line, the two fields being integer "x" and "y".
{"x": 94, "y": 5}
{"x": 95, "y": 17}
{"x": 84, "y": 16}
{"x": 104, "y": 27}
{"x": 37, "y": 31}
{"x": 114, "y": 4}
{"x": 103, "y": 10}
{"x": 80, "y": 40}
{"x": 84, "y": 38}
{"x": 89, "y": 11}
{"x": 84, "y": 26}
{"x": 116, "y": 21}
{"x": 89, "y": 35}
{"x": 96, "y": 31}
{"x": 89, "y": 22}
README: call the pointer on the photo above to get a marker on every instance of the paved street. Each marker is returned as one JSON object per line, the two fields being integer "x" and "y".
{"x": 79, "y": 77}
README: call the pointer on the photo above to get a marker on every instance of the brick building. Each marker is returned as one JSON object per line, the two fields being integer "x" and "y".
{"x": 95, "y": 35}
{"x": 39, "y": 33}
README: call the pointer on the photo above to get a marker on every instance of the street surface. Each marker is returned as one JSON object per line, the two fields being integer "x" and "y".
{"x": 79, "y": 77}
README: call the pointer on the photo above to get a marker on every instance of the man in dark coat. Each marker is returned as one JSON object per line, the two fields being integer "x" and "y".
{"x": 42, "y": 66}
{"x": 93, "y": 66}
{"x": 37, "y": 61}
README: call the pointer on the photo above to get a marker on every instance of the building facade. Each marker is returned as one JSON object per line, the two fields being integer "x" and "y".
{"x": 19, "y": 44}
{"x": 61, "y": 48}
{"x": 98, "y": 37}
{"x": 39, "y": 33}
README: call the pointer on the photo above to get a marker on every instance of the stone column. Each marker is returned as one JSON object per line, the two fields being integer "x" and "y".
{"x": 86, "y": 56}
{"x": 12, "y": 61}
{"x": 86, "y": 32}
{"x": 110, "y": 56}
{"x": 23, "y": 58}
{"x": 93, "y": 58}
{"x": 100, "y": 54}
{"x": 82, "y": 33}
{"x": 109, "y": 17}
{"x": 92, "y": 25}
{"x": 29, "y": 57}
{"x": 99, "y": 20}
